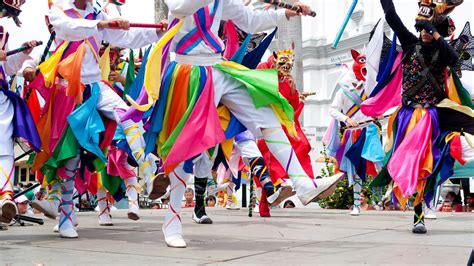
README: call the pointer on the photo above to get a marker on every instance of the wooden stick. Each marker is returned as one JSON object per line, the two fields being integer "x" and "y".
{"x": 23, "y": 48}
{"x": 288, "y": 6}
{"x": 114, "y": 25}
{"x": 363, "y": 123}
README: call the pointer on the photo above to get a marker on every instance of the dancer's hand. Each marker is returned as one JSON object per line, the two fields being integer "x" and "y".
{"x": 165, "y": 23}
{"x": 30, "y": 44}
{"x": 117, "y": 23}
{"x": 425, "y": 25}
{"x": 29, "y": 74}
{"x": 3, "y": 55}
{"x": 116, "y": 77}
{"x": 305, "y": 10}
{"x": 351, "y": 122}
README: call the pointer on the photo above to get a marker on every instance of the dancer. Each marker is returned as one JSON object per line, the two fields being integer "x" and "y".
{"x": 345, "y": 110}
{"x": 420, "y": 135}
{"x": 83, "y": 28}
{"x": 199, "y": 73}
{"x": 15, "y": 117}
{"x": 283, "y": 62}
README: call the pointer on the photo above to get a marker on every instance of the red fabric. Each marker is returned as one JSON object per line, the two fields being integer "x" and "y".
{"x": 263, "y": 208}
{"x": 456, "y": 150}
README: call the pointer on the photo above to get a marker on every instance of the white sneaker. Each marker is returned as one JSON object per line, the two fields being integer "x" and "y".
{"x": 105, "y": 219}
{"x": 307, "y": 192}
{"x": 231, "y": 206}
{"x": 214, "y": 189}
{"x": 430, "y": 214}
{"x": 355, "y": 211}
{"x": 68, "y": 233}
{"x": 133, "y": 211}
{"x": 47, "y": 207}
{"x": 175, "y": 240}
{"x": 74, "y": 221}
{"x": 203, "y": 220}
{"x": 9, "y": 211}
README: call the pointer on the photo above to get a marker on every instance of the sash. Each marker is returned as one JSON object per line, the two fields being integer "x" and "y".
{"x": 355, "y": 98}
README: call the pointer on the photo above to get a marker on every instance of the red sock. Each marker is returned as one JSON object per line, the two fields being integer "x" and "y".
{"x": 263, "y": 208}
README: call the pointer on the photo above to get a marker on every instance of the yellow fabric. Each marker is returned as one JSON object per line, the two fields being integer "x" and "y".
{"x": 104, "y": 64}
{"x": 153, "y": 70}
{"x": 48, "y": 67}
{"x": 452, "y": 91}
{"x": 447, "y": 103}
{"x": 224, "y": 117}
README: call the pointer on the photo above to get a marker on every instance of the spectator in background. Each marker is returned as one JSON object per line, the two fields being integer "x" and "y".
{"x": 30, "y": 194}
{"x": 21, "y": 186}
{"x": 469, "y": 203}
{"x": 451, "y": 203}
{"x": 22, "y": 204}
{"x": 189, "y": 198}
{"x": 210, "y": 201}
{"x": 289, "y": 204}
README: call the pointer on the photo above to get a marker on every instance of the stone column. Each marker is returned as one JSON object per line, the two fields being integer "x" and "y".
{"x": 161, "y": 10}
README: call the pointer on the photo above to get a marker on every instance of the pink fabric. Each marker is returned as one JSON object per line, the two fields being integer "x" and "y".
{"x": 327, "y": 136}
{"x": 232, "y": 43}
{"x": 203, "y": 129}
{"x": 118, "y": 165}
{"x": 64, "y": 105}
{"x": 405, "y": 165}
{"x": 389, "y": 97}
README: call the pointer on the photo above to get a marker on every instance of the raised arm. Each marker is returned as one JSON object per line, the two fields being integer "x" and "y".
{"x": 184, "y": 8}
{"x": 404, "y": 35}
{"x": 249, "y": 20}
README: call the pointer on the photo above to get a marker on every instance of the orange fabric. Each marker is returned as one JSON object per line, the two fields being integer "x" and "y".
{"x": 70, "y": 70}
{"x": 180, "y": 101}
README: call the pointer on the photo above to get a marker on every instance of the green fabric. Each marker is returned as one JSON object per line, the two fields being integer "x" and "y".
{"x": 463, "y": 171}
{"x": 262, "y": 86}
{"x": 66, "y": 149}
{"x": 130, "y": 77}
{"x": 111, "y": 183}
{"x": 193, "y": 90}
{"x": 464, "y": 95}
{"x": 30, "y": 195}
{"x": 350, "y": 96}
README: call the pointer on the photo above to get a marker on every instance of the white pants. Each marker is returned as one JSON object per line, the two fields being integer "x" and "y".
{"x": 6, "y": 145}
{"x": 109, "y": 102}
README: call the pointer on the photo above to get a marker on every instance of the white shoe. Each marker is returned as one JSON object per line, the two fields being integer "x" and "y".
{"x": 203, "y": 220}
{"x": 214, "y": 189}
{"x": 231, "y": 206}
{"x": 9, "y": 211}
{"x": 105, "y": 219}
{"x": 47, "y": 207}
{"x": 175, "y": 240}
{"x": 56, "y": 228}
{"x": 133, "y": 211}
{"x": 355, "y": 211}
{"x": 280, "y": 195}
{"x": 307, "y": 192}
{"x": 68, "y": 233}
{"x": 74, "y": 221}
{"x": 430, "y": 214}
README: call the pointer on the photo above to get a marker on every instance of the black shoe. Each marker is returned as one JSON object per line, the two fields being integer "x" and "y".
{"x": 419, "y": 229}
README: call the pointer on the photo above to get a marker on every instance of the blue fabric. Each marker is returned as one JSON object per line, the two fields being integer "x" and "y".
{"x": 23, "y": 124}
{"x": 86, "y": 124}
{"x": 238, "y": 57}
{"x": 253, "y": 58}
{"x": 383, "y": 78}
{"x": 137, "y": 85}
{"x": 355, "y": 155}
{"x": 346, "y": 165}
{"x": 373, "y": 149}
{"x": 335, "y": 141}
{"x": 159, "y": 111}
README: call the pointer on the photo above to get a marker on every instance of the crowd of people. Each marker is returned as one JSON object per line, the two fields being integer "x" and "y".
{"x": 214, "y": 110}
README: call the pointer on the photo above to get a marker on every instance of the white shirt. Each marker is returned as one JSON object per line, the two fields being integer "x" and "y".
{"x": 79, "y": 29}
{"x": 243, "y": 17}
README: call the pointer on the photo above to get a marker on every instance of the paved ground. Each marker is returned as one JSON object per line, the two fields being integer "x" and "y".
{"x": 290, "y": 237}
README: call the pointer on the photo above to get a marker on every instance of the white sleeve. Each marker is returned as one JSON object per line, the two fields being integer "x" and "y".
{"x": 337, "y": 106}
{"x": 30, "y": 63}
{"x": 184, "y": 8}
{"x": 249, "y": 20}
{"x": 70, "y": 29}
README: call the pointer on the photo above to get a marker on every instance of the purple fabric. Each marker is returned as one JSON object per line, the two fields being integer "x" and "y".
{"x": 132, "y": 113}
{"x": 23, "y": 124}
{"x": 435, "y": 134}
{"x": 246, "y": 135}
{"x": 403, "y": 118}
{"x": 340, "y": 151}
{"x": 166, "y": 49}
